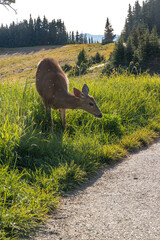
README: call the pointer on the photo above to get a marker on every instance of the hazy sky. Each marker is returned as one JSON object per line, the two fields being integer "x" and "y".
{"x": 87, "y": 16}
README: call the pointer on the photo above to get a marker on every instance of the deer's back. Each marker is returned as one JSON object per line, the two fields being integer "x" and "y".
{"x": 51, "y": 81}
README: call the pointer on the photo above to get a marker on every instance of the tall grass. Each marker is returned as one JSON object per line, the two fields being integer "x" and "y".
{"x": 38, "y": 166}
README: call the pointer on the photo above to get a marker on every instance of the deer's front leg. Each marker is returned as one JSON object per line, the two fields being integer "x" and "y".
{"x": 49, "y": 117}
{"x": 63, "y": 116}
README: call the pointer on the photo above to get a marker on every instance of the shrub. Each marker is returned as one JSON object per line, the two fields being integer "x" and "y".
{"x": 108, "y": 69}
{"x": 66, "y": 67}
{"x": 82, "y": 57}
{"x": 97, "y": 58}
{"x": 79, "y": 70}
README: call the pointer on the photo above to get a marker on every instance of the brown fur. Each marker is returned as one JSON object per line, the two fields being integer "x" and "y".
{"x": 52, "y": 85}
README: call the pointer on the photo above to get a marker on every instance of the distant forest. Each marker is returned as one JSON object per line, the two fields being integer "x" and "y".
{"x": 39, "y": 32}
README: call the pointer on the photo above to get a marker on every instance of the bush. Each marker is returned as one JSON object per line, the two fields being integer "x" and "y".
{"x": 108, "y": 69}
{"x": 82, "y": 57}
{"x": 97, "y": 58}
{"x": 79, "y": 70}
{"x": 66, "y": 67}
{"x": 83, "y": 63}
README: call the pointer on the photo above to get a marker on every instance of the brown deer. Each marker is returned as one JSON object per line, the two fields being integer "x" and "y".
{"x": 52, "y": 86}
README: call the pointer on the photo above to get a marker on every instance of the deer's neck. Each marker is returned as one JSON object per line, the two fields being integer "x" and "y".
{"x": 68, "y": 101}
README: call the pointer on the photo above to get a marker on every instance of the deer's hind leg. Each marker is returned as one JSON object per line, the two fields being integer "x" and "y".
{"x": 49, "y": 117}
{"x": 48, "y": 114}
{"x": 63, "y": 116}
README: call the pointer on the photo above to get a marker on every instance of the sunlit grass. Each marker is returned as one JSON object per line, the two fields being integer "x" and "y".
{"x": 19, "y": 67}
{"x": 37, "y": 166}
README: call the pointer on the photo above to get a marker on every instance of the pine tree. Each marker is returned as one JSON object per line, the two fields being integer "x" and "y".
{"x": 13, "y": 34}
{"x": 154, "y": 42}
{"x": 73, "y": 38}
{"x": 108, "y": 33}
{"x": 82, "y": 57}
{"x": 128, "y": 24}
{"x": 85, "y": 38}
{"x": 81, "y": 38}
{"x": 118, "y": 55}
{"x": 77, "y": 37}
{"x": 52, "y": 32}
{"x": 31, "y": 32}
{"x": 45, "y": 31}
{"x": 137, "y": 14}
{"x": 38, "y": 31}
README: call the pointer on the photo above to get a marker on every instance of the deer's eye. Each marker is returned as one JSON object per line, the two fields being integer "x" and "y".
{"x": 91, "y": 104}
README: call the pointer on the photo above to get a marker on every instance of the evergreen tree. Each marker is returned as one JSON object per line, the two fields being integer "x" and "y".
{"x": 128, "y": 25}
{"x": 12, "y": 32}
{"x": 23, "y": 35}
{"x": 73, "y": 38}
{"x": 154, "y": 42}
{"x": 69, "y": 38}
{"x": 108, "y": 33}
{"x": 31, "y": 32}
{"x": 52, "y": 32}
{"x": 45, "y": 32}
{"x": 137, "y": 16}
{"x": 81, "y": 38}
{"x": 77, "y": 37}
{"x": 61, "y": 32}
{"x": 82, "y": 57}
{"x": 129, "y": 52}
{"x": 38, "y": 31}
{"x": 118, "y": 55}
{"x": 85, "y": 39}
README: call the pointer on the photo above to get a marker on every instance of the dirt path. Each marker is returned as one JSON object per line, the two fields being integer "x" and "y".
{"x": 97, "y": 66}
{"x": 123, "y": 202}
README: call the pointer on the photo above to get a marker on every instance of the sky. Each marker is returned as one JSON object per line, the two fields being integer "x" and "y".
{"x": 86, "y": 16}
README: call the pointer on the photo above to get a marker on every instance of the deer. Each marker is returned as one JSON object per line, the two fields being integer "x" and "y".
{"x": 52, "y": 85}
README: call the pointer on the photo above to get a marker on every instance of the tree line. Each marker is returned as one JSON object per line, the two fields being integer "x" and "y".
{"x": 39, "y": 32}
{"x": 148, "y": 15}
{"x": 138, "y": 47}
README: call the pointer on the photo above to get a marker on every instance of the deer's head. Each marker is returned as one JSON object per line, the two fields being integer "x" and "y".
{"x": 87, "y": 102}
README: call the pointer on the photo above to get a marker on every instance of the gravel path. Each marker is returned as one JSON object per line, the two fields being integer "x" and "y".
{"x": 122, "y": 202}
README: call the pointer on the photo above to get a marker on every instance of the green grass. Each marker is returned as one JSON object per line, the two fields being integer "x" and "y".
{"x": 37, "y": 167}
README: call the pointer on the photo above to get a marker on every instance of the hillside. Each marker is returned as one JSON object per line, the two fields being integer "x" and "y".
{"x": 17, "y": 62}
{"x": 37, "y": 166}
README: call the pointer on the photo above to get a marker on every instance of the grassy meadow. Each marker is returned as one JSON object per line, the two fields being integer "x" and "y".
{"x": 36, "y": 166}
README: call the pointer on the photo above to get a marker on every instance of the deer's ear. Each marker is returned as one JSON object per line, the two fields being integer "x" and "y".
{"x": 77, "y": 92}
{"x": 85, "y": 90}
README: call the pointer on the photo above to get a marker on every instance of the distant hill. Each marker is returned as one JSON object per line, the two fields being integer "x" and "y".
{"x": 116, "y": 38}
{"x": 98, "y": 38}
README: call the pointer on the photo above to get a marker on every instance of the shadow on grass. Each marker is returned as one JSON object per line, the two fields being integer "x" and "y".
{"x": 26, "y": 50}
